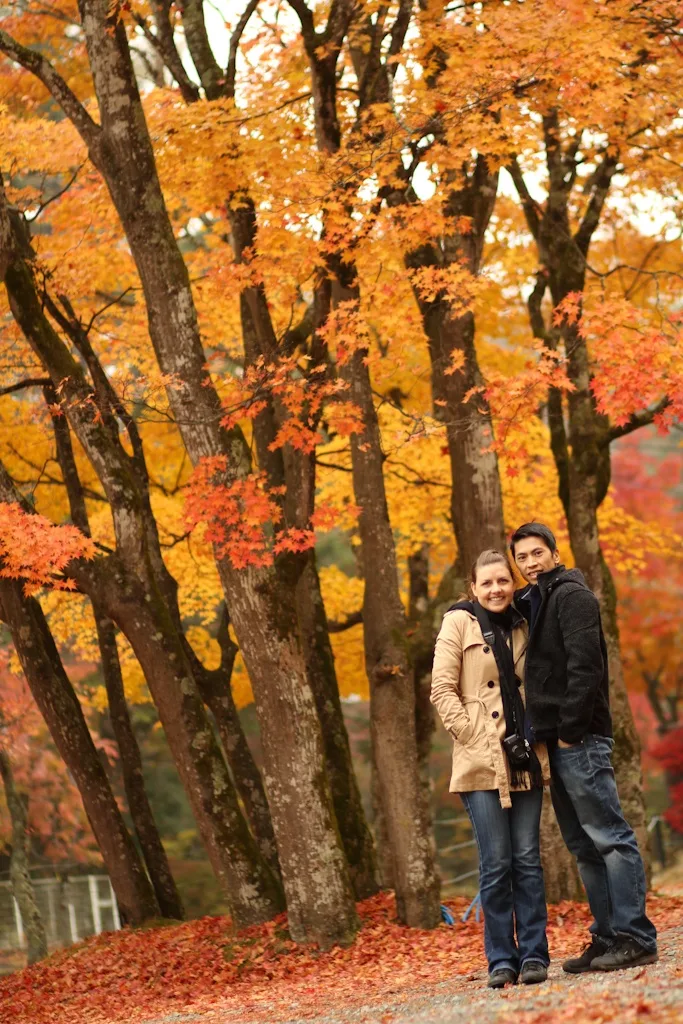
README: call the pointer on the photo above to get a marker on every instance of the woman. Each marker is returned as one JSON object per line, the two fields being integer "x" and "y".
{"x": 477, "y": 690}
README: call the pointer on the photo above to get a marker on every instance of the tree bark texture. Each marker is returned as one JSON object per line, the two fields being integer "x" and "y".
{"x": 145, "y": 827}
{"x": 425, "y": 717}
{"x": 141, "y": 814}
{"x": 560, "y": 872}
{"x": 392, "y": 698}
{"x": 314, "y": 868}
{"x": 476, "y": 499}
{"x": 296, "y": 469}
{"x": 392, "y": 692}
{"x": 59, "y": 706}
{"x": 136, "y": 591}
{"x": 20, "y": 878}
{"x": 214, "y": 687}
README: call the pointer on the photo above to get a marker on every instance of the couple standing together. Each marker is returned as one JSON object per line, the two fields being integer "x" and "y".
{"x": 521, "y": 682}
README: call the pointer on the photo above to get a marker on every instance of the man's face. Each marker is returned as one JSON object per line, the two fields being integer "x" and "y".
{"x": 533, "y": 556}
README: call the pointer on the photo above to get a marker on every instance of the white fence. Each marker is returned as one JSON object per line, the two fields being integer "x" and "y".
{"x": 72, "y": 908}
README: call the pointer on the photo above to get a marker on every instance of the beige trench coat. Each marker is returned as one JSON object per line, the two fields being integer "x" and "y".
{"x": 466, "y": 693}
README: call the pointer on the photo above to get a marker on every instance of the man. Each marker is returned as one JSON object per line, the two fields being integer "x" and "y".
{"x": 567, "y": 695}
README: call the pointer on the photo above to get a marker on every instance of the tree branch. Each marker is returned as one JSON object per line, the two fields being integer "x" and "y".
{"x": 231, "y": 69}
{"x": 638, "y": 420}
{"x": 529, "y": 205}
{"x": 29, "y": 382}
{"x": 164, "y": 44}
{"x": 34, "y": 62}
{"x": 591, "y": 217}
{"x": 354, "y": 619}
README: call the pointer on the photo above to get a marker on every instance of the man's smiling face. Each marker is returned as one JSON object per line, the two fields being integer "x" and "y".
{"x": 533, "y": 556}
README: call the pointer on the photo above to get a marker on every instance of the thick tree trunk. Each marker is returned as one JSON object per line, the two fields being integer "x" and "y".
{"x": 141, "y": 597}
{"x": 560, "y": 872}
{"x": 356, "y": 836}
{"x": 144, "y": 824}
{"x": 63, "y": 715}
{"x": 214, "y": 687}
{"x": 22, "y": 886}
{"x": 476, "y": 500}
{"x": 314, "y": 868}
{"x": 392, "y": 693}
{"x": 425, "y": 717}
{"x": 297, "y": 470}
{"x": 252, "y": 889}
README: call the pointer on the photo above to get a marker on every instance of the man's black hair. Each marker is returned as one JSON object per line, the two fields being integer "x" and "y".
{"x": 539, "y": 530}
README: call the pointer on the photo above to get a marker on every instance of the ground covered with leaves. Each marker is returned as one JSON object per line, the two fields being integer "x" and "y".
{"x": 204, "y": 972}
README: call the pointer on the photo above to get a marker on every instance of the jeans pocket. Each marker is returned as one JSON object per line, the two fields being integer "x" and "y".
{"x": 599, "y": 752}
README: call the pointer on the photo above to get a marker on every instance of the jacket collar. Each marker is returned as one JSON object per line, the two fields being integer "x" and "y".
{"x": 545, "y": 580}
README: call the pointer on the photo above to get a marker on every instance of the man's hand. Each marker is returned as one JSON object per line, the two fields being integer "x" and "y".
{"x": 564, "y": 745}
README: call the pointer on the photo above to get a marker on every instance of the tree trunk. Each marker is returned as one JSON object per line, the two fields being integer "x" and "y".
{"x": 314, "y": 869}
{"x": 145, "y": 827}
{"x": 214, "y": 687}
{"x": 560, "y": 871}
{"x": 356, "y": 836}
{"x": 476, "y": 500}
{"x": 425, "y": 717}
{"x": 138, "y": 593}
{"x": 22, "y": 886}
{"x": 147, "y": 833}
{"x": 297, "y": 470}
{"x": 392, "y": 693}
{"x": 63, "y": 715}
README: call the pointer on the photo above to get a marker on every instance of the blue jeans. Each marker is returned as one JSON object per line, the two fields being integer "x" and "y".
{"x": 586, "y": 803}
{"x": 510, "y": 876}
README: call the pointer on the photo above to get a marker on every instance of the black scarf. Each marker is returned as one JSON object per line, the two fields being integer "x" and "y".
{"x": 496, "y": 628}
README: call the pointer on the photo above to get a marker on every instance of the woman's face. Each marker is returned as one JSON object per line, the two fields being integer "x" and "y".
{"x": 494, "y": 587}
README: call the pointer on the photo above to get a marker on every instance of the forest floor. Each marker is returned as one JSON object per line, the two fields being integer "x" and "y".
{"x": 202, "y": 972}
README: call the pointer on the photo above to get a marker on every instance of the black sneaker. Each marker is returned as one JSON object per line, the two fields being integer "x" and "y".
{"x": 501, "y": 977}
{"x": 533, "y": 972}
{"x": 593, "y": 949}
{"x": 624, "y": 953}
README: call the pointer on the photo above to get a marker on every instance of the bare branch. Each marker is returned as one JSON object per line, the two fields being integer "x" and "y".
{"x": 164, "y": 44}
{"x": 532, "y": 212}
{"x": 231, "y": 69}
{"x": 354, "y": 619}
{"x": 29, "y": 382}
{"x": 57, "y": 195}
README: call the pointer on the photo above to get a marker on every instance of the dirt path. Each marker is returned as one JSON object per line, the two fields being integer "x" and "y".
{"x": 649, "y": 995}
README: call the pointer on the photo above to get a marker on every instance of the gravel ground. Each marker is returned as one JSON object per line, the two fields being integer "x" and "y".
{"x": 647, "y": 995}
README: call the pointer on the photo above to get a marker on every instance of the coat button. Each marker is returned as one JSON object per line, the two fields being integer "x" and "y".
{"x": 494, "y": 714}
{"x": 491, "y": 683}
{"x": 486, "y": 650}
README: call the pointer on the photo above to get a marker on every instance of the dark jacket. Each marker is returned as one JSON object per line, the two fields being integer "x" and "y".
{"x": 567, "y": 677}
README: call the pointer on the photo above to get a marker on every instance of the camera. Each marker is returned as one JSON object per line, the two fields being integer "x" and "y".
{"x": 517, "y": 749}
